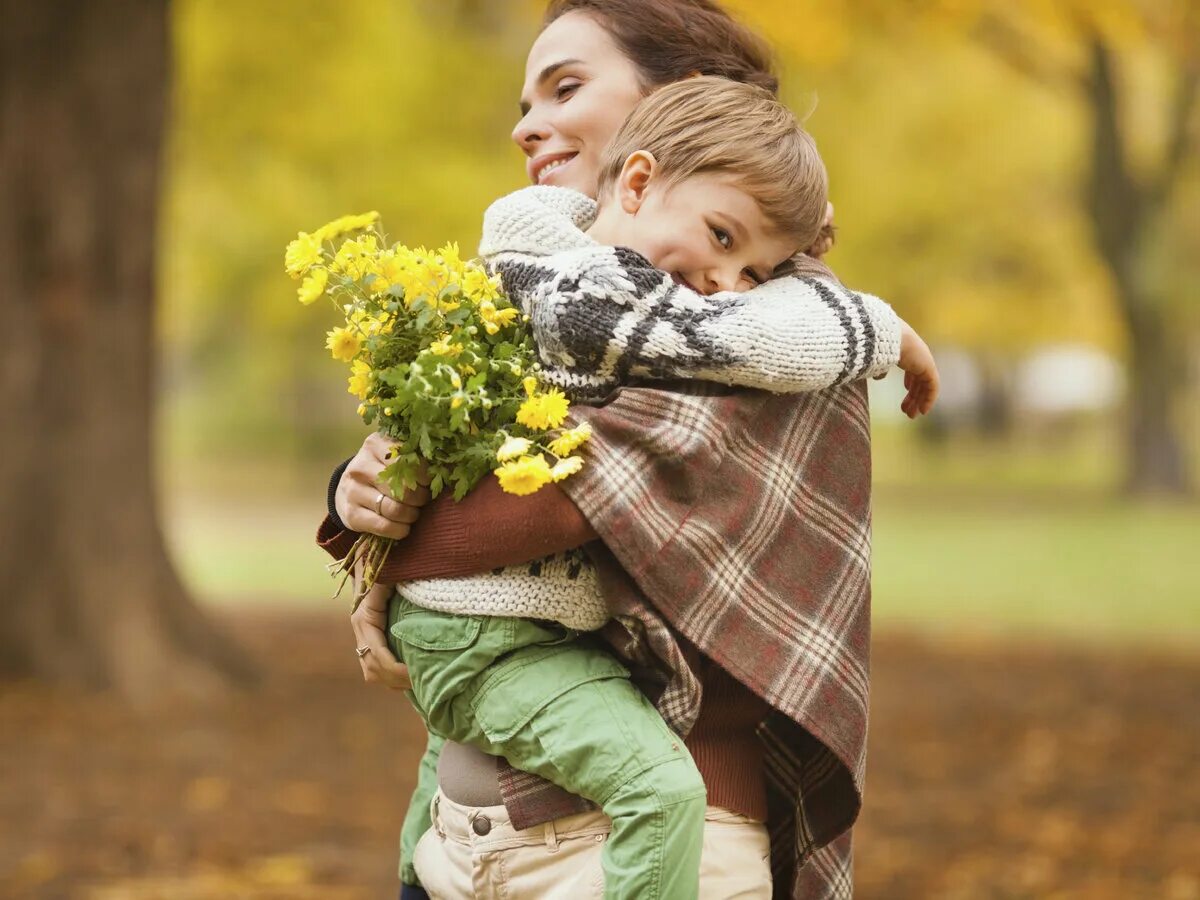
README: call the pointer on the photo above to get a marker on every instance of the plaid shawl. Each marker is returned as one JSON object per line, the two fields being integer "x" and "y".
{"x": 741, "y": 519}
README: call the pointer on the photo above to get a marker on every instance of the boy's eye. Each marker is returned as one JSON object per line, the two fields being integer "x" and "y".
{"x": 723, "y": 237}
{"x": 753, "y": 276}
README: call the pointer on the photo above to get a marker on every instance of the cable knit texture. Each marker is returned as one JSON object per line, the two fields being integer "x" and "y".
{"x": 603, "y": 316}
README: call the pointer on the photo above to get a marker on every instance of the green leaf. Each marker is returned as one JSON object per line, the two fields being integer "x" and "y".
{"x": 461, "y": 488}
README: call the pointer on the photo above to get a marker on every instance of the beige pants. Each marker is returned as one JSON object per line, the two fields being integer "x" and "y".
{"x": 473, "y": 852}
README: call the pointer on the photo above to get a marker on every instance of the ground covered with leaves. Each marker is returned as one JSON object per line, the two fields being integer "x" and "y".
{"x": 996, "y": 771}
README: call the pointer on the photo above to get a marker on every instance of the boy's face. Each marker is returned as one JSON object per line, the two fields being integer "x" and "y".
{"x": 706, "y": 231}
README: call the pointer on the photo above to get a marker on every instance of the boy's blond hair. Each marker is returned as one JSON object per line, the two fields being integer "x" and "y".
{"x": 709, "y": 124}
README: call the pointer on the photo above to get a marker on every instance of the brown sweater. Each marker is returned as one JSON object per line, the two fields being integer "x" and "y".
{"x": 489, "y": 529}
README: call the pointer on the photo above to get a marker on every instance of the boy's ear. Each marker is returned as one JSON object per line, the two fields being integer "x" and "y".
{"x": 636, "y": 175}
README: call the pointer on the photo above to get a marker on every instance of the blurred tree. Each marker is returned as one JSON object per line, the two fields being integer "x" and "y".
{"x": 90, "y": 594}
{"x": 287, "y": 114}
{"x": 1092, "y": 54}
{"x": 1078, "y": 46}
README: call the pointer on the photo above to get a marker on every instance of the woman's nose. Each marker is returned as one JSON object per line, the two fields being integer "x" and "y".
{"x": 528, "y": 133}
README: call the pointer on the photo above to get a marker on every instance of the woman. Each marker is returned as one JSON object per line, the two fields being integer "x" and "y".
{"x": 736, "y": 532}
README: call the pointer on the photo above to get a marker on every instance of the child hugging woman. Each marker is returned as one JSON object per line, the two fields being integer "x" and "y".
{"x": 730, "y": 533}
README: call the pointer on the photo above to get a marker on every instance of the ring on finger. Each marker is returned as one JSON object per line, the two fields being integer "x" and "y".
{"x": 379, "y": 504}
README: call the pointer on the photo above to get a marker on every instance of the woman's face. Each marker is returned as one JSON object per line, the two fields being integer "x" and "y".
{"x": 579, "y": 89}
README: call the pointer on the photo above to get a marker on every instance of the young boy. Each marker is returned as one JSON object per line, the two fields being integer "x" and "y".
{"x": 709, "y": 188}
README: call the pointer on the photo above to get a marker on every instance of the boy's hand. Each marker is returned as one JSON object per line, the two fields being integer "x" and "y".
{"x": 920, "y": 373}
{"x": 369, "y": 622}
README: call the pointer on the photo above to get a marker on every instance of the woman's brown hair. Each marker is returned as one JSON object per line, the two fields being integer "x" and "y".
{"x": 671, "y": 39}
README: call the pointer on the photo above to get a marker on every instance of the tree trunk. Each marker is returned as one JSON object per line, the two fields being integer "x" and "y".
{"x": 90, "y": 595}
{"x": 1123, "y": 213}
{"x": 1156, "y": 463}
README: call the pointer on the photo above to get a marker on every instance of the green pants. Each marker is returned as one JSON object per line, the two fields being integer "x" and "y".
{"x": 562, "y": 708}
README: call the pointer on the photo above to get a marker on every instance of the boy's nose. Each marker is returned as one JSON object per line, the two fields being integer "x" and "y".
{"x": 719, "y": 279}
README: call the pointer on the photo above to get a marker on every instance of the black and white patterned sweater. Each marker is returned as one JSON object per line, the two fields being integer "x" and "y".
{"x": 604, "y": 315}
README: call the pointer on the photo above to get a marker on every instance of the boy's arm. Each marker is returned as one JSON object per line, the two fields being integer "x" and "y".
{"x": 605, "y": 314}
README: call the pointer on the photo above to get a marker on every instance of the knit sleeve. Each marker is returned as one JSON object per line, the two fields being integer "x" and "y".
{"x": 486, "y": 530}
{"x": 603, "y": 314}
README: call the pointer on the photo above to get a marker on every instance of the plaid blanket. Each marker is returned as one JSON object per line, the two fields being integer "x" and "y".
{"x": 741, "y": 520}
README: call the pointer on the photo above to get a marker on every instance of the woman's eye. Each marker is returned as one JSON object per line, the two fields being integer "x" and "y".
{"x": 723, "y": 237}
{"x": 752, "y": 276}
{"x": 565, "y": 90}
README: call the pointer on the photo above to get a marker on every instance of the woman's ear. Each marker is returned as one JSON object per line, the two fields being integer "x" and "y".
{"x": 636, "y": 175}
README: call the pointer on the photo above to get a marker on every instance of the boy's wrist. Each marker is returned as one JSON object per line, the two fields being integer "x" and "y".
{"x": 889, "y": 331}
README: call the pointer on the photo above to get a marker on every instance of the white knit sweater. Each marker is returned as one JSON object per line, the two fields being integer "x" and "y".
{"x": 604, "y": 315}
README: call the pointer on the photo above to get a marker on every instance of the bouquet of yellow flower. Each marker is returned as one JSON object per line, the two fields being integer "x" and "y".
{"x": 440, "y": 362}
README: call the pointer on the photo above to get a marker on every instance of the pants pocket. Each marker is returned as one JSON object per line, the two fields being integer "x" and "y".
{"x": 432, "y": 630}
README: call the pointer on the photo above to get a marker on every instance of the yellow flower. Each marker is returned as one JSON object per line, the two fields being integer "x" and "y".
{"x": 354, "y": 256}
{"x": 543, "y": 411}
{"x": 570, "y": 441}
{"x": 379, "y": 284}
{"x": 443, "y": 347}
{"x": 344, "y": 224}
{"x": 554, "y": 406}
{"x": 456, "y": 401}
{"x": 303, "y": 252}
{"x": 343, "y": 344}
{"x": 450, "y": 257}
{"x": 565, "y": 468}
{"x": 530, "y": 385}
{"x": 313, "y": 285}
{"x": 432, "y": 272}
{"x": 524, "y": 476}
{"x": 494, "y": 319}
{"x": 365, "y": 323}
{"x": 360, "y": 379}
{"x": 479, "y": 286}
{"x": 507, "y": 316}
{"x": 362, "y": 409}
{"x": 512, "y": 448}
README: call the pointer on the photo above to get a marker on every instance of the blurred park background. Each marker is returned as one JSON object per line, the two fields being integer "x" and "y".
{"x": 1020, "y": 179}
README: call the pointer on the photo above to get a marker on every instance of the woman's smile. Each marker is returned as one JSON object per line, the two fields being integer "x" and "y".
{"x": 541, "y": 167}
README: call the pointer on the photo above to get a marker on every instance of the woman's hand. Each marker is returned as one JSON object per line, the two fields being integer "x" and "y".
{"x": 920, "y": 373}
{"x": 358, "y": 497}
{"x": 369, "y": 622}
